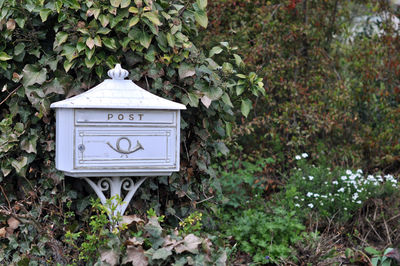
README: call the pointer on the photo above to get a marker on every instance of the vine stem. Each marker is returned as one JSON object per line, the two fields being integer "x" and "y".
{"x": 10, "y": 94}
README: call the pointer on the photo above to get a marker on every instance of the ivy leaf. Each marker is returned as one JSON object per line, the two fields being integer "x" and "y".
{"x": 61, "y": 37}
{"x": 33, "y": 74}
{"x": 97, "y": 41}
{"x": 104, "y": 20}
{"x": 145, "y": 39}
{"x": 90, "y": 43}
{"x": 190, "y": 243}
{"x": 170, "y": 40}
{"x": 125, "y": 3}
{"x": 245, "y": 107}
{"x": 162, "y": 254}
{"x": 153, "y": 227}
{"x": 226, "y": 99}
{"x": 29, "y": 145}
{"x": 115, "y": 3}
{"x": 206, "y": 101}
{"x": 201, "y": 18}
{"x": 185, "y": 71}
{"x": 20, "y": 164}
{"x": 4, "y": 56}
{"x": 110, "y": 43}
{"x": 44, "y": 14}
{"x": 109, "y": 256}
{"x": 133, "y": 21}
{"x": 136, "y": 256}
{"x": 152, "y": 17}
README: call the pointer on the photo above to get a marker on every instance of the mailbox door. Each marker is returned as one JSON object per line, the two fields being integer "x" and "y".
{"x": 125, "y": 148}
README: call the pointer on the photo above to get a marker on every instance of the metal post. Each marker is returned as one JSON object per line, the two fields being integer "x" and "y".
{"x": 115, "y": 184}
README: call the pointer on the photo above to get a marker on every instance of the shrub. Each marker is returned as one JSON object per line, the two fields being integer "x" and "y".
{"x": 50, "y": 50}
{"x": 333, "y": 193}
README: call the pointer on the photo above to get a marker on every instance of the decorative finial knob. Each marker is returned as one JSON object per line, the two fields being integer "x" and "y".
{"x": 117, "y": 72}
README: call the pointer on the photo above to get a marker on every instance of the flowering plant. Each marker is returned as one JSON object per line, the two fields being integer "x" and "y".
{"x": 334, "y": 192}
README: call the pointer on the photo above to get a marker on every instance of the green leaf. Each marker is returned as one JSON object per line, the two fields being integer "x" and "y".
{"x": 20, "y": 164}
{"x": 90, "y": 62}
{"x": 133, "y": 10}
{"x": 110, "y": 43}
{"x": 4, "y": 56}
{"x": 372, "y": 251}
{"x": 186, "y": 70}
{"x": 215, "y": 50}
{"x": 29, "y": 145}
{"x": 202, "y": 4}
{"x": 161, "y": 254}
{"x": 115, "y": 3}
{"x": 241, "y": 76}
{"x": 238, "y": 60}
{"x": 245, "y": 107}
{"x": 61, "y": 37}
{"x": 227, "y": 100}
{"x": 125, "y": 3}
{"x": 67, "y": 65}
{"x": 44, "y": 13}
{"x": 97, "y": 41}
{"x": 201, "y": 18}
{"x": 104, "y": 20}
{"x": 133, "y": 21}
{"x": 33, "y": 74}
{"x": 171, "y": 40}
{"x": 152, "y": 17}
{"x": 145, "y": 39}
{"x": 19, "y": 48}
{"x": 69, "y": 52}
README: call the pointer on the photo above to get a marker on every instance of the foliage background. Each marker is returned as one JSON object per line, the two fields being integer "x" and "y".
{"x": 338, "y": 101}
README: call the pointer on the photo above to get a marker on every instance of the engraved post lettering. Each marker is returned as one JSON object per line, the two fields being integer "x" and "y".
{"x": 131, "y": 117}
{"x": 120, "y": 117}
{"x": 140, "y": 116}
{"x": 110, "y": 116}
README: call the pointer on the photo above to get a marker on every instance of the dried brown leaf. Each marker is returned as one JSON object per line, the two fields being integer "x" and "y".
{"x": 190, "y": 243}
{"x": 13, "y": 223}
{"x": 136, "y": 256}
{"x": 3, "y": 232}
{"x": 134, "y": 241}
{"x": 110, "y": 256}
{"x": 130, "y": 219}
{"x": 206, "y": 101}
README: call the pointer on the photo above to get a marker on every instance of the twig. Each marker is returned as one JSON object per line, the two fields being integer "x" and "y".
{"x": 10, "y": 94}
{"x": 2, "y": 190}
{"x": 373, "y": 228}
{"x": 387, "y": 231}
{"x": 201, "y": 201}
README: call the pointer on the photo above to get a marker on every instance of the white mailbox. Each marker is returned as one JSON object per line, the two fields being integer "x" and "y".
{"x": 114, "y": 131}
{"x": 117, "y": 129}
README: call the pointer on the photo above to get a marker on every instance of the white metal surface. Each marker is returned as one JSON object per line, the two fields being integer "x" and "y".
{"x": 118, "y": 93}
{"x": 114, "y": 130}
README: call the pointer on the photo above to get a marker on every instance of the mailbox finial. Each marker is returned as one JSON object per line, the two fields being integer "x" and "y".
{"x": 117, "y": 72}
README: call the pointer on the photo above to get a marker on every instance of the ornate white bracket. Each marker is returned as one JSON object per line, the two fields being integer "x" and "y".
{"x": 115, "y": 184}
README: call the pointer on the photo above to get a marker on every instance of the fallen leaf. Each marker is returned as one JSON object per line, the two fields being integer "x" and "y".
{"x": 130, "y": 219}
{"x": 161, "y": 254}
{"x": 136, "y": 256}
{"x": 110, "y": 256}
{"x": 190, "y": 243}
{"x": 13, "y": 223}
{"x": 134, "y": 241}
{"x": 3, "y": 232}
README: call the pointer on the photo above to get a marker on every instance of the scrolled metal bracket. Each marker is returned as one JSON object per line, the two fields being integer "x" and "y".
{"x": 115, "y": 185}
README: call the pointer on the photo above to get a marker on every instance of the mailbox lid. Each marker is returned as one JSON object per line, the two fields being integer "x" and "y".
{"x": 117, "y": 93}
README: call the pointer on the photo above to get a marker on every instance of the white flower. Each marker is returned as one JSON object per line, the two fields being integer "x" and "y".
{"x": 345, "y": 208}
{"x": 358, "y": 202}
{"x": 310, "y": 177}
{"x": 348, "y": 172}
{"x": 335, "y": 182}
{"x": 304, "y": 155}
{"x": 309, "y": 194}
{"x": 298, "y": 157}
{"x": 341, "y": 189}
{"x": 343, "y": 177}
{"x": 310, "y": 205}
{"x": 316, "y": 195}
{"x": 297, "y": 205}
